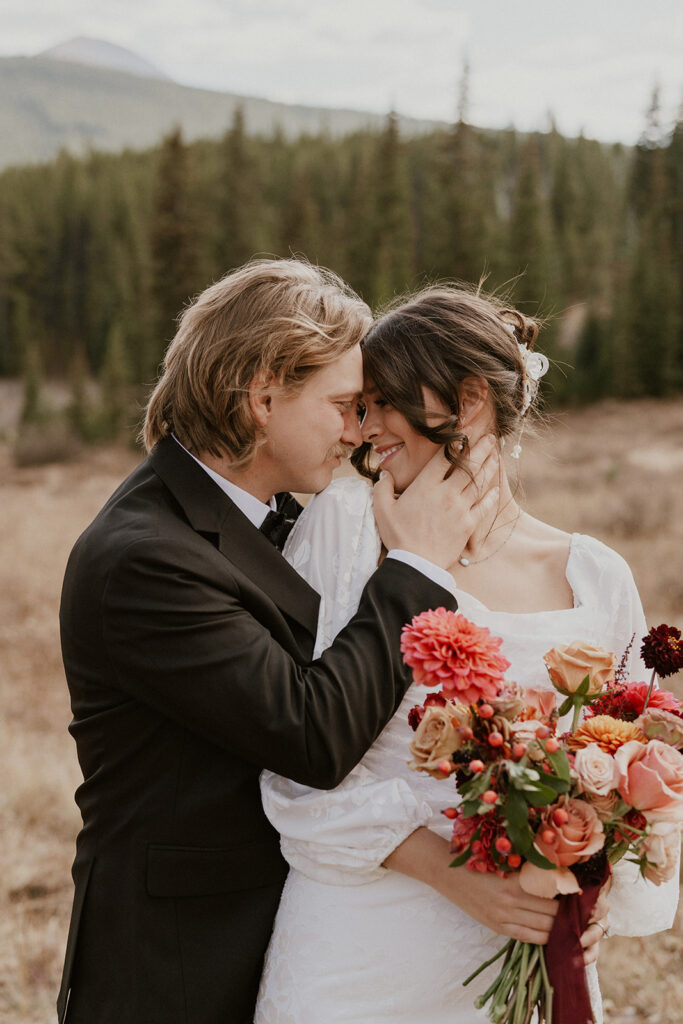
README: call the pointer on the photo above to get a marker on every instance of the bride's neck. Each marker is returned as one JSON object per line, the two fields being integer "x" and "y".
{"x": 494, "y": 530}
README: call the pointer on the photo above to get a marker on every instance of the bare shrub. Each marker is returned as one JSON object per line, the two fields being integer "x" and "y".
{"x": 39, "y": 444}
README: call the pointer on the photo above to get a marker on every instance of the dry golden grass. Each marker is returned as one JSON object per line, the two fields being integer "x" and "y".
{"x": 612, "y": 471}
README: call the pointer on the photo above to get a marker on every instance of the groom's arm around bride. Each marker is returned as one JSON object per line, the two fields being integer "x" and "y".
{"x": 187, "y": 643}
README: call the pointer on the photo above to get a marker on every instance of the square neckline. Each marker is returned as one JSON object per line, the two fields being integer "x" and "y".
{"x": 573, "y": 540}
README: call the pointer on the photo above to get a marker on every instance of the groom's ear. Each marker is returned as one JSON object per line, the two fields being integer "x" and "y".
{"x": 473, "y": 393}
{"x": 261, "y": 397}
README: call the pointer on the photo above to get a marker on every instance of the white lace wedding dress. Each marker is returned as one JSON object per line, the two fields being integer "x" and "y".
{"x": 353, "y": 941}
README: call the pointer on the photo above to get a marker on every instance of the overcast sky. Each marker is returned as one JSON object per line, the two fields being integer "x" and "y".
{"x": 593, "y": 63}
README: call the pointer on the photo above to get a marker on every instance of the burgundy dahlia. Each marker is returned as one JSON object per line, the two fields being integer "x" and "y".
{"x": 662, "y": 650}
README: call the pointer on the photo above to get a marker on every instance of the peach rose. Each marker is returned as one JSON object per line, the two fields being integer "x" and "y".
{"x": 543, "y": 702}
{"x": 662, "y": 848}
{"x": 437, "y": 737}
{"x": 574, "y": 841}
{"x": 570, "y": 664}
{"x": 595, "y": 770}
{"x": 651, "y": 779}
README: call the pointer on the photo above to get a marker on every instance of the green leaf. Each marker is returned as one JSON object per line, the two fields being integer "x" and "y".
{"x": 565, "y": 707}
{"x": 461, "y": 859}
{"x": 584, "y": 686}
{"x": 516, "y": 816}
{"x": 540, "y": 796}
{"x": 537, "y": 858}
{"x": 559, "y": 785}
{"x": 560, "y": 764}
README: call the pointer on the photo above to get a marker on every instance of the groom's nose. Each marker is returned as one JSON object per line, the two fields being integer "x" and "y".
{"x": 351, "y": 434}
{"x": 369, "y": 428}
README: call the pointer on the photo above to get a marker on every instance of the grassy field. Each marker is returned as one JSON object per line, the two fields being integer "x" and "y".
{"x": 612, "y": 471}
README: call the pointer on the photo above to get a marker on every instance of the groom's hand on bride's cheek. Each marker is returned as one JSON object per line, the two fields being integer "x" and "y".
{"x": 437, "y": 513}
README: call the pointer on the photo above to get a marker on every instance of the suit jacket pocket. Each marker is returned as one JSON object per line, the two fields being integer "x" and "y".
{"x": 183, "y": 871}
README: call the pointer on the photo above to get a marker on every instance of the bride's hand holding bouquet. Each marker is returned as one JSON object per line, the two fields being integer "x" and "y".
{"x": 548, "y": 812}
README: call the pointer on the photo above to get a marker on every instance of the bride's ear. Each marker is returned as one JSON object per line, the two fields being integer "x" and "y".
{"x": 472, "y": 393}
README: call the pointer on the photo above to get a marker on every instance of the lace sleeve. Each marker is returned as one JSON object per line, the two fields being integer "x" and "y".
{"x": 637, "y": 907}
{"x": 340, "y": 836}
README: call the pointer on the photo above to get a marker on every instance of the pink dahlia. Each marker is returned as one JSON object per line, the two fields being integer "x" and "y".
{"x": 447, "y": 650}
{"x": 663, "y": 699}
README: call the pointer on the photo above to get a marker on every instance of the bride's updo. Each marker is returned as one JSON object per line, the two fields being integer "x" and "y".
{"x": 436, "y": 339}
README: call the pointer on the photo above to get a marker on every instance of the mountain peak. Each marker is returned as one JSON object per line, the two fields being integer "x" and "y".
{"x": 100, "y": 53}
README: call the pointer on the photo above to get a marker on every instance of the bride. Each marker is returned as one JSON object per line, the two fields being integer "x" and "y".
{"x": 373, "y": 925}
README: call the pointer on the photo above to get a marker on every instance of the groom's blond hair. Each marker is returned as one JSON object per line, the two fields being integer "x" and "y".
{"x": 279, "y": 318}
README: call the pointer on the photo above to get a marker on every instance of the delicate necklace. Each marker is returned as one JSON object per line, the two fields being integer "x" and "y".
{"x": 466, "y": 561}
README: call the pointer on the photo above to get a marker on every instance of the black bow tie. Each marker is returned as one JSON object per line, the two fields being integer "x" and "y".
{"x": 277, "y": 525}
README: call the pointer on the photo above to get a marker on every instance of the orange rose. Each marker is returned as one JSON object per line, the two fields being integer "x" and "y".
{"x": 570, "y": 664}
{"x": 437, "y": 737}
{"x": 574, "y": 841}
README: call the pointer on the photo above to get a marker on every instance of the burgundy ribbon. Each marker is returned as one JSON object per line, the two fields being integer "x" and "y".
{"x": 564, "y": 954}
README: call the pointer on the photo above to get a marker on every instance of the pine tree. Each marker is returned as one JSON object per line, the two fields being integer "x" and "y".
{"x": 392, "y": 223}
{"x": 115, "y": 379}
{"x": 655, "y": 285}
{"x": 529, "y": 240}
{"x": 174, "y": 236}
{"x": 238, "y": 205}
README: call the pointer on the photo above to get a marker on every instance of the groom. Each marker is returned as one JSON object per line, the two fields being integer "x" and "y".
{"x": 187, "y": 643}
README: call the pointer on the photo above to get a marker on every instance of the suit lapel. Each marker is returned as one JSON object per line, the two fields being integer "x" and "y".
{"x": 211, "y": 512}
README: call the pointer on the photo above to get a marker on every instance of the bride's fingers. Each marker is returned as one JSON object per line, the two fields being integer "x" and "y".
{"x": 528, "y": 927}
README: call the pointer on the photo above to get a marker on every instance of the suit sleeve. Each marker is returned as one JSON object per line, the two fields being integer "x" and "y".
{"x": 197, "y": 654}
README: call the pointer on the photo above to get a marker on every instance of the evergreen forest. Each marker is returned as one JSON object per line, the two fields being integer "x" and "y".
{"x": 99, "y": 254}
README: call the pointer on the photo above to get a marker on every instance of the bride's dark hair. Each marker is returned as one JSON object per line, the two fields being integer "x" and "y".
{"x": 437, "y": 338}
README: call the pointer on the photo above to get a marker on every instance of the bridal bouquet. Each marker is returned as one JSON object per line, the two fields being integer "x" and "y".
{"x": 560, "y": 808}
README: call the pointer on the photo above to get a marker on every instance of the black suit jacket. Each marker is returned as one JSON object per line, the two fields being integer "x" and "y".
{"x": 187, "y": 641}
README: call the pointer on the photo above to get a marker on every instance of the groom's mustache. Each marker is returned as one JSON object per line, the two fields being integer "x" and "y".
{"x": 341, "y": 451}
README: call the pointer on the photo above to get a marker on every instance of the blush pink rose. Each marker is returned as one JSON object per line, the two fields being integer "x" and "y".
{"x": 595, "y": 770}
{"x": 651, "y": 779}
{"x": 574, "y": 841}
{"x": 661, "y": 848}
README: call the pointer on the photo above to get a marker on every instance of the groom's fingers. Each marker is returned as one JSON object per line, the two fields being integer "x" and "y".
{"x": 383, "y": 494}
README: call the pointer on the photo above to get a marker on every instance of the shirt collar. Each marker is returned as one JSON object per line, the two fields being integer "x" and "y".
{"x": 254, "y": 509}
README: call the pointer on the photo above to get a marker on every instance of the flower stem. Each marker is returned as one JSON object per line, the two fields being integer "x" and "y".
{"x": 548, "y": 989}
{"x": 649, "y": 690}
{"x": 520, "y": 999}
{"x": 577, "y": 715}
{"x": 482, "y": 967}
